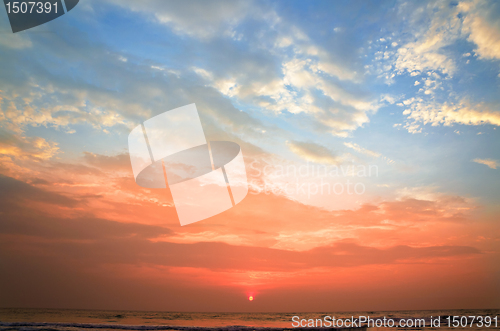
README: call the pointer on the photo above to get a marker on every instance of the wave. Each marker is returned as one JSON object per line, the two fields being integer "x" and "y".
{"x": 5, "y": 326}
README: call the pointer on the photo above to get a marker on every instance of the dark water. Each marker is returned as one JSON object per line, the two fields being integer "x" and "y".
{"x": 70, "y": 320}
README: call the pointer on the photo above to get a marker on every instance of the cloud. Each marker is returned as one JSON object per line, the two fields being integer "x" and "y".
{"x": 427, "y": 47}
{"x": 313, "y": 152}
{"x": 298, "y": 89}
{"x": 267, "y": 78}
{"x": 78, "y": 229}
{"x": 14, "y": 40}
{"x": 99, "y": 242}
{"x": 413, "y": 60}
{"x": 420, "y": 111}
{"x": 493, "y": 164}
{"x": 217, "y": 256}
{"x": 18, "y": 113}
{"x": 118, "y": 162}
{"x": 483, "y": 27}
{"x": 78, "y": 262}
{"x": 21, "y": 147}
{"x": 255, "y": 77}
{"x": 107, "y": 94}
{"x": 429, "y": 27}
{"x": 15, "y": 193}
{"x": 303, "y": 90}
{"x": 276, "y": 245}
{"x": 198, "y": 19}
{"x": 360, "y": 149}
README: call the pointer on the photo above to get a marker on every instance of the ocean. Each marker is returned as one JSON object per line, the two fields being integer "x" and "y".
{"x": 72, "y": 320}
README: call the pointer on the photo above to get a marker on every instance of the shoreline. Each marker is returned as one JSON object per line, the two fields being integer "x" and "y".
{"x": 26, "y": 326}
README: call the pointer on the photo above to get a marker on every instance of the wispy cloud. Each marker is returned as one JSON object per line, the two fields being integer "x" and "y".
{"x": 313, "y": 152}
{"x": 199, "y": 19}
{"x": 360, "y": 149}
{"x": 493, "y": 164}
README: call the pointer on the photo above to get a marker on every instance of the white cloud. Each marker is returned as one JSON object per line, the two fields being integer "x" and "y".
{"x": 200, "y": 19}
{"x": 493, "y": 164}
{"x": 413, "y": 128}
{"x": 389, "y": 98}
{"x": 14, "y": 40}
{"x": 360, "y": 149}
{"x": 17, "y": 113}
{"x": 309, "y": 71}
{"x": 434, "y": 26}
{"x": 313, "y": 152}
{"x": 424, "y": 50}
{"x": 420, "y": 112}
{"x": 483, "y": 27}
{"x": 295, "y": 92}
{"x": 203, "y": 73}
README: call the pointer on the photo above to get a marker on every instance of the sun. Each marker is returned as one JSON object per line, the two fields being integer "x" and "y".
{"x": 250, "y": 298}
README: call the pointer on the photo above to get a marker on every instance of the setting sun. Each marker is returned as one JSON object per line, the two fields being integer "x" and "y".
{"x": 250, "y": 298}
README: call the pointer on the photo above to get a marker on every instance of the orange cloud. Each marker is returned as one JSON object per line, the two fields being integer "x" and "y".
{"x": 98, "y": 228}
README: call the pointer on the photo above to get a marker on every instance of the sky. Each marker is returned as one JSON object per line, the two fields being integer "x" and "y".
{"x": 369, "y": 132}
